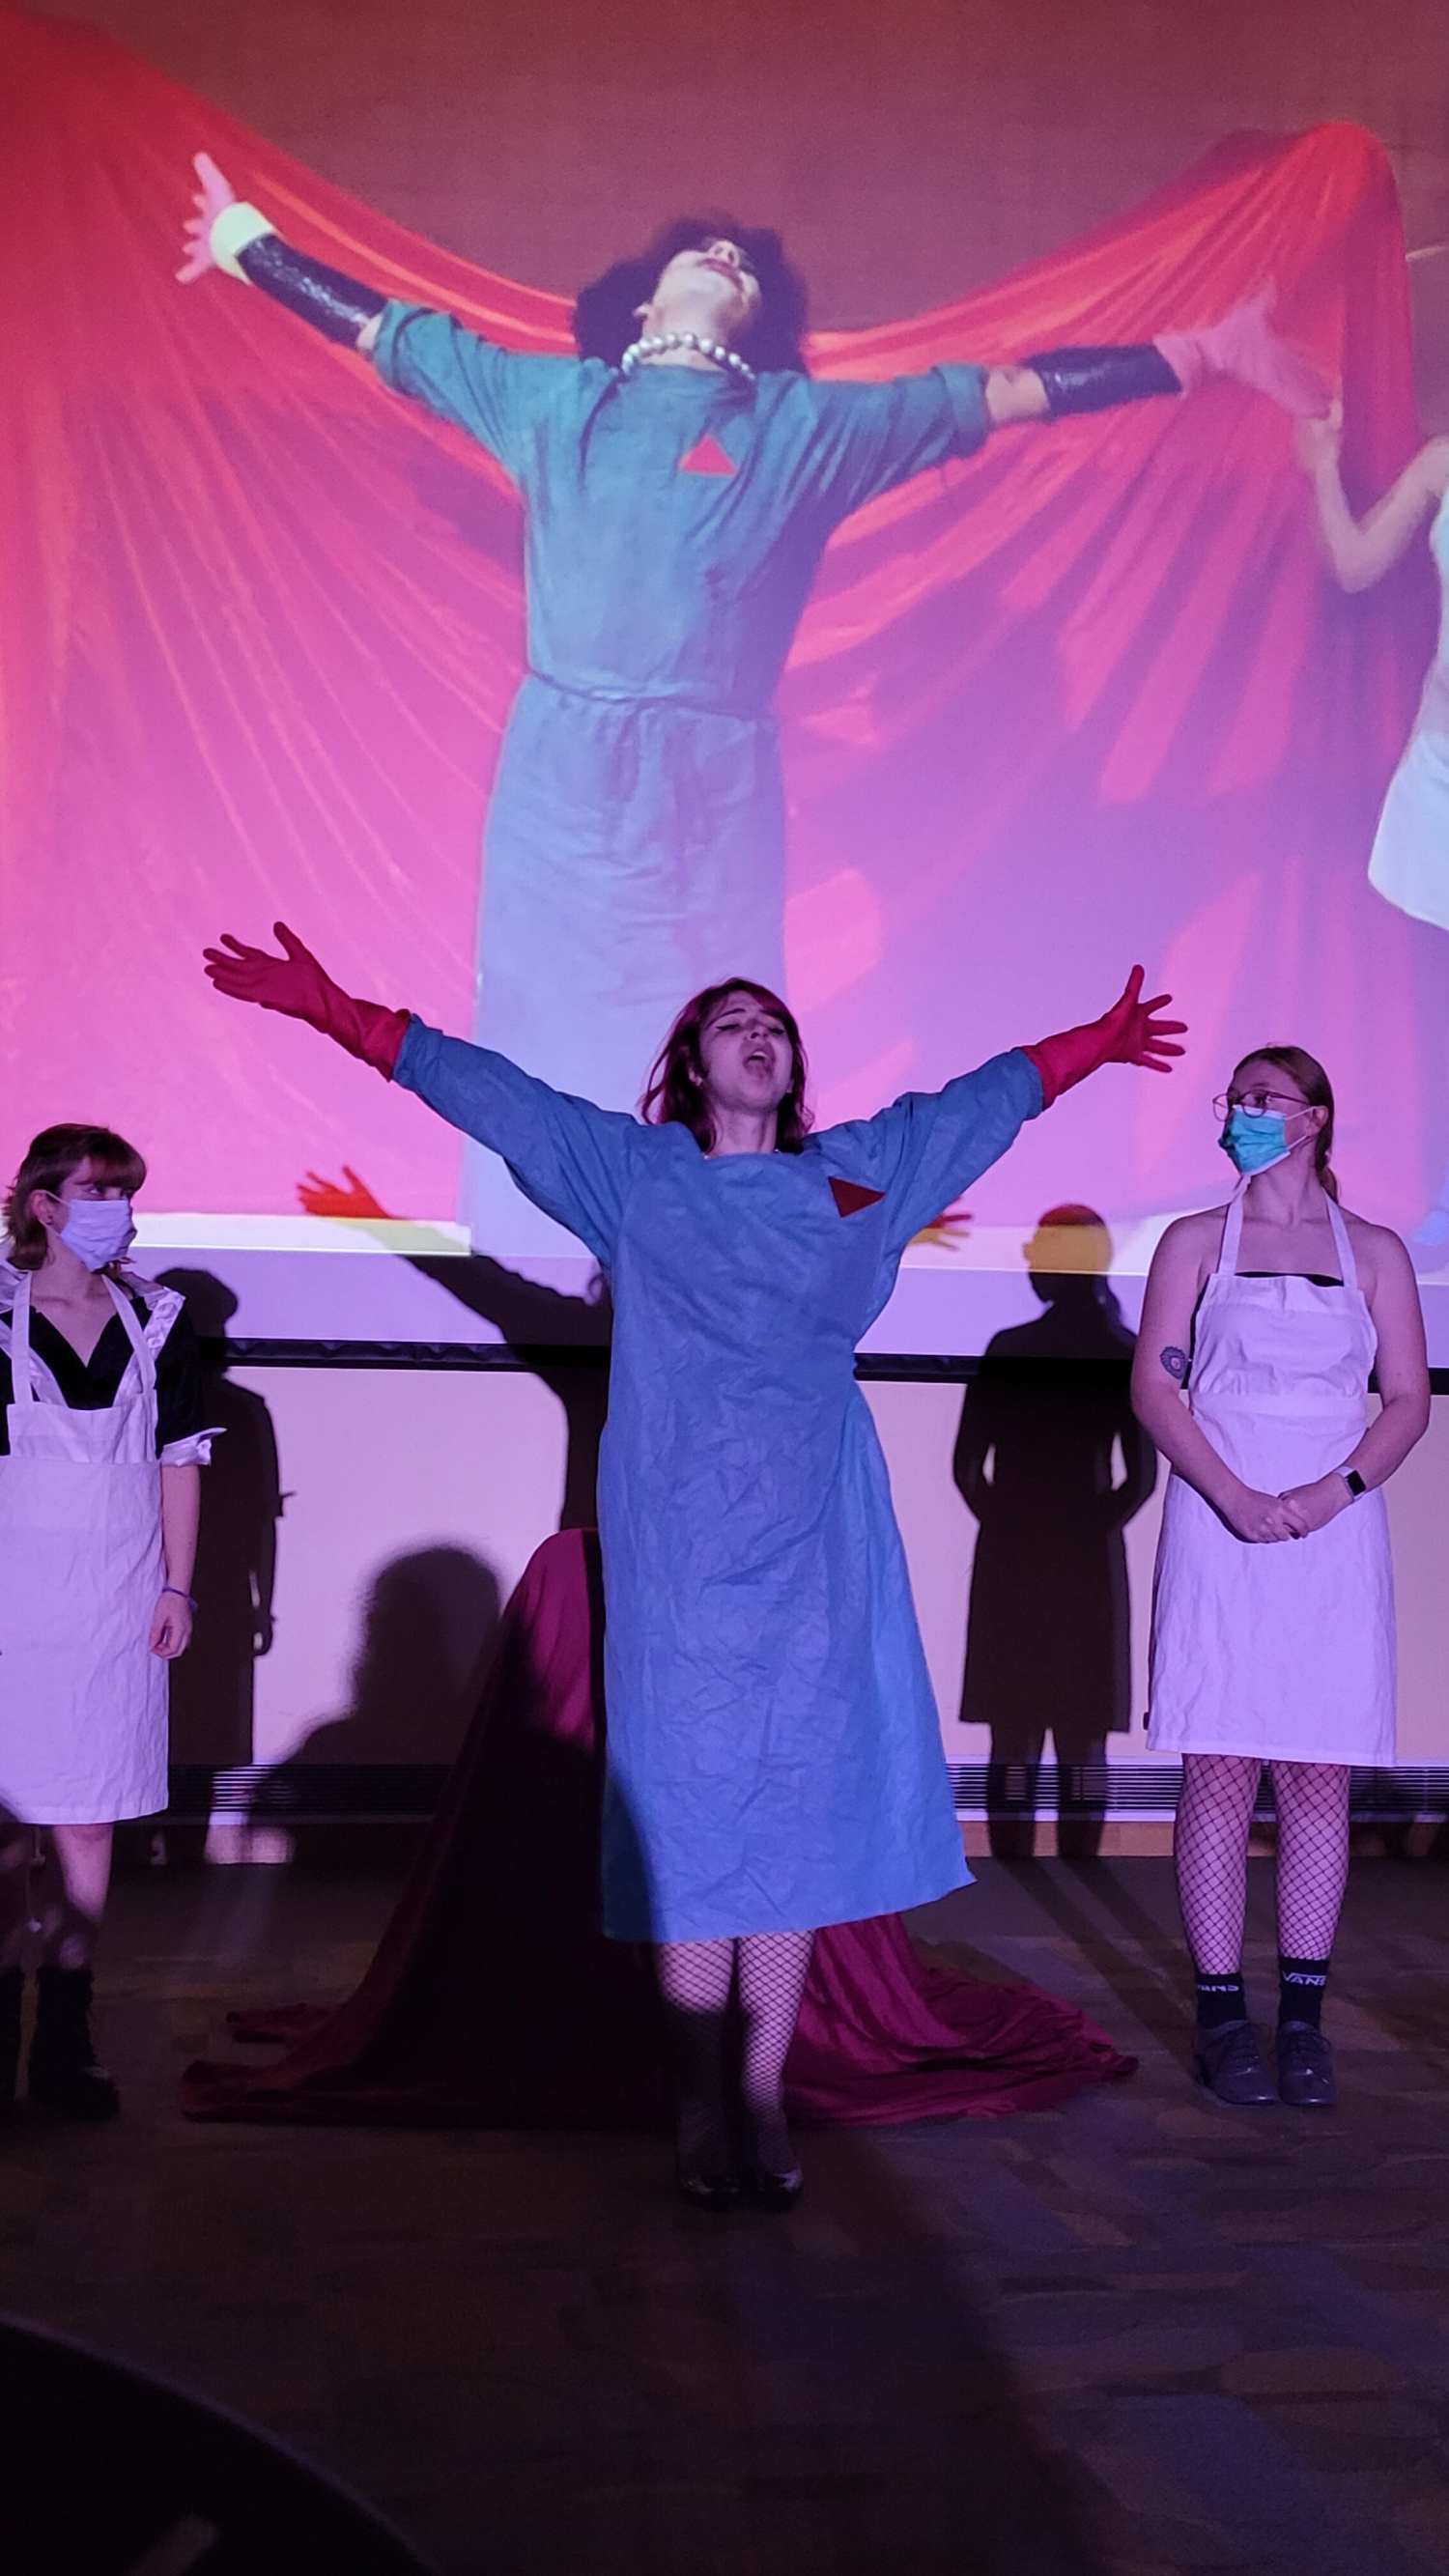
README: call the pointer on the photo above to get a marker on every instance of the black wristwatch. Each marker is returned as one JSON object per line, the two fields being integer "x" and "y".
{"x": 1354, "y": 1481}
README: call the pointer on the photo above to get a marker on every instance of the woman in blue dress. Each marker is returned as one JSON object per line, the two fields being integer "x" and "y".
{"x": 680, "y": 480}
{"x": 774, "y": 1755}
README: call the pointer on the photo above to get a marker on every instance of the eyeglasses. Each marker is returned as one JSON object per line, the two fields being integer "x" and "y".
{"x": 1256, "y": 1104}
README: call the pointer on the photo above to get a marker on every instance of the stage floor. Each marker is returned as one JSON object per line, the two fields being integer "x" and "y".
{"x": 1139, "y": 2335}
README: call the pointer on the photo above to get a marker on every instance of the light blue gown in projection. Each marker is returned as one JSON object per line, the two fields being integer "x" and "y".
{"x": 674, "y": 520}
{"x": 775, "y": 1759}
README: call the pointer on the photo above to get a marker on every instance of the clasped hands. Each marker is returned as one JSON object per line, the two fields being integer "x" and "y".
{"x": 1264, "y": 1518}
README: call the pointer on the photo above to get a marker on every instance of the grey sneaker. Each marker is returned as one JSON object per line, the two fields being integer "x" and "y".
{"x": 1305, "y": 2067}
{"x": 1227, "y": 2060}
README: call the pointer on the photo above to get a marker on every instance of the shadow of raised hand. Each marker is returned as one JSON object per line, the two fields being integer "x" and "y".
{"x": 348, "y": 1197}
{"x": 946, "y": 1232}
{"x": 351, "y": 1200}
{"x": 554, "y": 1327}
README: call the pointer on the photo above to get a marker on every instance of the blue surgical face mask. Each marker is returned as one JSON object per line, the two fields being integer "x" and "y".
{"x": 98, "y": 1231}
{"x": 1256, "y": 1144}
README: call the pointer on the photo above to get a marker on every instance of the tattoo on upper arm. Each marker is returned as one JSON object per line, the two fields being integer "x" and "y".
{"x": 1175, "y": 1362}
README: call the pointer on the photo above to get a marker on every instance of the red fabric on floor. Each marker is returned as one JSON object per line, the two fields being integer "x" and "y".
{"x": 494, "y": 1998}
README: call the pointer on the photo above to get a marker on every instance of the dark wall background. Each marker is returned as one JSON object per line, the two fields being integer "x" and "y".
{"x": 912, "y": 149}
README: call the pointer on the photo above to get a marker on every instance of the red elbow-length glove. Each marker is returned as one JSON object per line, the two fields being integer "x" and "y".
{"x": 296, "y": 985}
{"x": 1130, "y": 1033}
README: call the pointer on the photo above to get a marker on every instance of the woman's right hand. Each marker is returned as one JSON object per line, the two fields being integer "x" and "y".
{"x": 209, "y": 196}
{"x": 1262, "y": 1519}
{"x": 293, "y": 983}
{"x": 1320, "y": 442}
{"x": 297, "y": 986}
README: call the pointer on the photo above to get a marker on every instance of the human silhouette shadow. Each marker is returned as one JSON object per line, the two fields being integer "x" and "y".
{"x": 213, "y": 1685}
{"x": 564, "y": 1338}
{"x": 428, "y": 1630}
{"x": 1048, "y": 1626}
{"x": 455, "y": 2017}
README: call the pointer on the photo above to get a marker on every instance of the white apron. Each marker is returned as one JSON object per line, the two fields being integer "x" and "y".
{"x": 1286, "y": 1650}
{"x": 83, "y": 1700}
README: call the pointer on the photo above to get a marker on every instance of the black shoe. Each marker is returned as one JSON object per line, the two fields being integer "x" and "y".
{"x": 774, "y": 2190}
{"x": 772, "y": 2177}
{"x": 63, "y": 2074}
{"x": 705, "y": 2172}
{"x": 12, "y": 1987}
{"x": 1226, "y": 2059}
{"x": 1306, "y": 2080}
{"x": 708, "y": 2191}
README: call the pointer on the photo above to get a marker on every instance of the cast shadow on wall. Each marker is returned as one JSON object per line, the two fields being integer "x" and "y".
{"x": 1048, "y": 1639}
{"x": 213, "y": 1685}
{"x": 427, "y": 1627}
{"x": 431, "y": 1619}
{"x": 563, "y": 1339}
{"x": 429, "y": 1624}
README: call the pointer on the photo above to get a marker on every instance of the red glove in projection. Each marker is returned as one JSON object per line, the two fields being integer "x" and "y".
{"x": 1130, "y": 1033}
{"x": 298, "y": 987}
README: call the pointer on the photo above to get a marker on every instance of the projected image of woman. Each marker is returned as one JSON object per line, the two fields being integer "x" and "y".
{"x": 1409, "y": 863}
{"x": 774, "y": 1753}
{"x": 680, "y": 480}
{"x": 1273, "y": 1616}
{"x": 100, "y": 1447}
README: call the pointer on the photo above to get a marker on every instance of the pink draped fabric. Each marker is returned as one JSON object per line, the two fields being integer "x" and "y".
{"x": 261, "y": 625}
{"x": 494, "y": 1998}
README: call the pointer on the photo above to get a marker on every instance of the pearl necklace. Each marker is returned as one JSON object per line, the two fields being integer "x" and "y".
{"x": 715, "y": 350}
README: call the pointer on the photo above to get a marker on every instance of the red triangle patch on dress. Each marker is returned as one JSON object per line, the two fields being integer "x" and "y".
{"x": 849, "y": 1197}
{"x": 707, "y": 457}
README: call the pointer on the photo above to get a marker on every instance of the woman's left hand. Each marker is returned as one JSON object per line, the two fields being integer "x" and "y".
{"x": 1134, "y": 1031}
{"x": 1317, "y": 1504}
{"x": 171, "y": 1627}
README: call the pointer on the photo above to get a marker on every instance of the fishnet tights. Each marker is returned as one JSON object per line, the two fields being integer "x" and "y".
{"x": 1210, "y": 1850}
{"x": 697, "y": 1980}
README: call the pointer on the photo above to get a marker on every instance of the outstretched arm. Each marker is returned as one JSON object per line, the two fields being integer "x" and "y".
{"x": 488, "y": 392}
{"x": 870, "y": 437}
{"x": 571, "y": 1158}
{"x": 223, "y": 233}
{"x": 1132, "y": 1032}
{"x": 929, "y": 1146}
{"x": 1242, "y": 348}
{"x": 875, "y": 436}
{"x": 1361, "y": 551}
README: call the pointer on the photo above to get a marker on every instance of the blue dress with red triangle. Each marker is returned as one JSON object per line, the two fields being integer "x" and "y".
{"x": 674, "y": 520}
{"x": 774, "y": 1752}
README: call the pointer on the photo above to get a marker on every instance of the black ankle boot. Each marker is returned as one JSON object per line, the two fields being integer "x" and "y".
{"x": 64, "y": 2075}
{"x": 12, "y": 1987}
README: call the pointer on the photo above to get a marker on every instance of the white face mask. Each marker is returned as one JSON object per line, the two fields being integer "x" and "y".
{"x": 98, "y": 1231}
